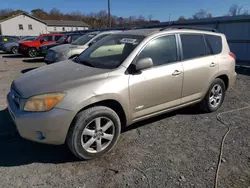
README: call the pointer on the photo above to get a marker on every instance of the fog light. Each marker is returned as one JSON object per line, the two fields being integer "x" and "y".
{"x": 40, "y": 136}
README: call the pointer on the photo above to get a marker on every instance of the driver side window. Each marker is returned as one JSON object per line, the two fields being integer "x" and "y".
{"x": 162, "y": 50}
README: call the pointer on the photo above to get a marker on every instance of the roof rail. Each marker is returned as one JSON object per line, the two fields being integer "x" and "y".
{"x": 189, "y": 27}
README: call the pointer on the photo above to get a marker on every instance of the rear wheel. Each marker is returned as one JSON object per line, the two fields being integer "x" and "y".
{"x": 32, "y": 52}
{"x": 214, "y": 97}
{"x": 14, "y": 50}
{"x": 94, "y": 132}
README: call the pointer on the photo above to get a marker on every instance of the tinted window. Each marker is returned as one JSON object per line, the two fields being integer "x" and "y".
{"x": 193, "y": 46}
{"x": 74, "y": 37}
{"x": 57, "y": 38}
{"x": 214, "y": 43}
{"x": 47, "y": 38}
{"x": 162, "y": 50}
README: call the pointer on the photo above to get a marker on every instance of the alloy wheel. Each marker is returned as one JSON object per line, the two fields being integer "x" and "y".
{"x": 97, "y": 135}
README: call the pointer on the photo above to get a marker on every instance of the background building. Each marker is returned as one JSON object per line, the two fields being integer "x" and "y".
{"x": 26, "y": 25}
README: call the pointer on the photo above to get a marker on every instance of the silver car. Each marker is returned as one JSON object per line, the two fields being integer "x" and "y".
{"x": 69, "y": 51}
{"x": 12, "y": 47}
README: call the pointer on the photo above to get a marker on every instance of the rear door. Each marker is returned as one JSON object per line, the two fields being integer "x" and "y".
{"x": 199, "y": 65}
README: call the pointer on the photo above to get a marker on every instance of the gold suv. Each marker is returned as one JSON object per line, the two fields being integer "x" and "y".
{"x": 121, "y": 79}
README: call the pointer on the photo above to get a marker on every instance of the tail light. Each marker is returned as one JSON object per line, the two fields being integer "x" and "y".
{"x": 232, "y": 55}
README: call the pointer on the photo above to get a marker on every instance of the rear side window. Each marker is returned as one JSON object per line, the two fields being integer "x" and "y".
{"x": 193, "y": 46}
{"x": 214, "y": 43}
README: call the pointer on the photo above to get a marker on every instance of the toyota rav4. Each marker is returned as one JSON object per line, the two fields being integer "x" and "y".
{"x": 121, "y": 79}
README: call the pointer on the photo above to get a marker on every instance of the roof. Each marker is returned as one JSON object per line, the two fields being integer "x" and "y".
{"x": 141, "y": 32}
{"x": 22, "y": 13}
{"x": 69, "y": 23}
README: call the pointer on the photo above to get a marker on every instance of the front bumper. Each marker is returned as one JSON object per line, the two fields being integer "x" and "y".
{"x": 44, "y": 127}
{"x": 22, "y": 50}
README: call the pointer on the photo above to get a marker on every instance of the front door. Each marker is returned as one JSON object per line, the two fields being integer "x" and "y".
{"x": 160, "y": 86}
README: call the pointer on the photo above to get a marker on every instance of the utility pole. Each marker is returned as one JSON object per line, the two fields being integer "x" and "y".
{"x": 109, "y": 16}
{"x": 169, "y": 18}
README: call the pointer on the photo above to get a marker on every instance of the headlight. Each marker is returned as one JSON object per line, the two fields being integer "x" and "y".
{"x": 45, "y": 102}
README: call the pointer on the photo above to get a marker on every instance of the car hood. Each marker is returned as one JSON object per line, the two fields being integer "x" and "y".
{"x": 66, "y": 47}
{"x": 58, "y": 77}
{"x": 30, "y": 43}
{"x": 11, "y": 44}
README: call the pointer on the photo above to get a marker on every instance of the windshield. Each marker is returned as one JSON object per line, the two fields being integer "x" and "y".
{"x": 109, "y": 52}
{"x": 84, "y": 39}
{"x": 62, "y": 39}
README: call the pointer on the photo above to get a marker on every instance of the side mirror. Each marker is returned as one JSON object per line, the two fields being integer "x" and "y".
{"x": 144, "y": 64}
{"x": 91, "y": 43}
{"x": 41, "y": 41}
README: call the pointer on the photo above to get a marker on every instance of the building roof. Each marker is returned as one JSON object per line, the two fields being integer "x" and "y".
{"x": 22, "y": 13}
{"x": 65, "y": 23}
{"x": 69, "y": 23}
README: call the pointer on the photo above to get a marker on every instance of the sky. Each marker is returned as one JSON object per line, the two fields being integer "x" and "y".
{"x": 159, "y": 9}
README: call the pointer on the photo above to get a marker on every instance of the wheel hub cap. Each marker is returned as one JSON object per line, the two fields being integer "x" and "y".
{"x": 97, "y": 135}
{"x": 215, "y": 96}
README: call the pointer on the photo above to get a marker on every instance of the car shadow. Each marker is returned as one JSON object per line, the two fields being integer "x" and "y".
{"x": 191, "y": 110}
{"x": 16, "y": 151}
{"x": 243, "y": 70}
{"x": 27, "y": 70}
{"x": 35, "y": 60}
{"x": 13, "y": 56}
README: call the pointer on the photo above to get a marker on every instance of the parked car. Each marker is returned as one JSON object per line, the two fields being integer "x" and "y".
{"x": 66, "y": 39}
{"x": 12, "y": 47}
{"x": 123, "y": 78}
{"x": 69, "y": 51}
{"x": 31, "y": 48}
{"x": 6, "y": 39}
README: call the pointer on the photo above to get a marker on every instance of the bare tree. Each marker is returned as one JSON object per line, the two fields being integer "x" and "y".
{"x": 236, "y": 10}
{"x": 201, "y": 14}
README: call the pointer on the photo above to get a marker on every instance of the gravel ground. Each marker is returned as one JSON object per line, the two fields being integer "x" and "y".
{"x": 179, "y": 149}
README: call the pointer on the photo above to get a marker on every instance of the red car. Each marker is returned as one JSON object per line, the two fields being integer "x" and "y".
{"x": 31, "y": 48}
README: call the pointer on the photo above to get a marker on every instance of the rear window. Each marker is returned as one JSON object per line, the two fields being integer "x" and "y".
{"x": 214, "y": 43}
{"x": 193, "y": 46}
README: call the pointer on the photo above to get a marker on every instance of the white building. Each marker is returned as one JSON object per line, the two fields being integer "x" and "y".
{"x": 26, "y": 25}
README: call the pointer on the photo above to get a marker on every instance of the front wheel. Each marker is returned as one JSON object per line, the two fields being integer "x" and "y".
{"x": 32, "y": 52}
{"x": 94, "y": 132}
{"x": 214, "y": 97}
{"x": 14, "y": 50}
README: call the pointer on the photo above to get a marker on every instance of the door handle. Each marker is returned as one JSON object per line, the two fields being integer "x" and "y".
{"x": 212, "y": 64}
{"x": 176, "y": 72}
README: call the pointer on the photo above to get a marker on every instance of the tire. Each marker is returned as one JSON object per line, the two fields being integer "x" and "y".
{"x": 32, "y": 52}
{"x": 207, "y": 105}
{"x": 82, "y": 128}
{"x": 14, "y": 50}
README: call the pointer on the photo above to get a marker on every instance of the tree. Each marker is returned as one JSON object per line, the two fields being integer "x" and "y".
{"x": 39, "y": 13}
{"x": 202, "y": 14}
{"x": 236, "y": 10}
{"x": 55, "y": 14}
{"x": 181, "y": 18}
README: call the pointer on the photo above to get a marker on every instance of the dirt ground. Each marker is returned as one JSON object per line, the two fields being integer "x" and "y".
{"x": 178, "y": 149}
